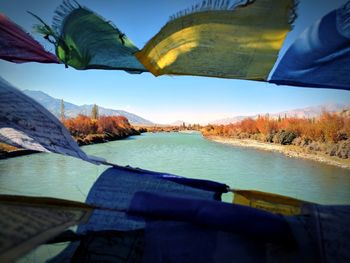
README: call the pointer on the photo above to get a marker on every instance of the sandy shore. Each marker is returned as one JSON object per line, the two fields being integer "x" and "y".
{"x": 289, "y": 150}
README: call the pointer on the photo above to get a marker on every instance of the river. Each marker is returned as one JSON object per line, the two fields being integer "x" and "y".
{"x": 188, "y": 155}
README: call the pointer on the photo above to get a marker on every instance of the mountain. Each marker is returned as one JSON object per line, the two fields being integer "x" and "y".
{"x": 311, "y": 112}
{"x": 308, "y": 112}
{"x": 229, "y": 120}
{"x": 71, "y": 110}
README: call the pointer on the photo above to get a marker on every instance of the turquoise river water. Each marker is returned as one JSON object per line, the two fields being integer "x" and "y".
{"x": 188, "y": 155}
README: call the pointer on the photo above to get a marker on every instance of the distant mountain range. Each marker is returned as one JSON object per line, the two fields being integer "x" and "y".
{"x": 309, "y": 112}
{"x": 71, "y": 110}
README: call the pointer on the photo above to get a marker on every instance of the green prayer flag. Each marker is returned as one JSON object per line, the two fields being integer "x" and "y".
{"x": 84, "y": 40}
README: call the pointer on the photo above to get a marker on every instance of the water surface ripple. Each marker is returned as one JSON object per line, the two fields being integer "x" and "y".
{"x": 188, "y": 155}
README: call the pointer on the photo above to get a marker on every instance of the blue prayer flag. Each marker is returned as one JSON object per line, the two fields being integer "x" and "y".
{"x": 320, "y": 57}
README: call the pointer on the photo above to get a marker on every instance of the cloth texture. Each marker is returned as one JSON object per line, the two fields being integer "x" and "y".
{"x": 320, "y": 57}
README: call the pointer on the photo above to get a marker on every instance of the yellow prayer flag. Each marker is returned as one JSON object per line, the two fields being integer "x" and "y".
{"x": 242, "y": 43}
{"x": 269, "y": 202}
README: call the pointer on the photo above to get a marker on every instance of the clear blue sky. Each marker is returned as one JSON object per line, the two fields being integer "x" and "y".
{"x": 163, "y": 99}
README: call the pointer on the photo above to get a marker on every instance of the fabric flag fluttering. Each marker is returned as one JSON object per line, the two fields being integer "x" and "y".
{"x": 27, "y": 124}
{"x": 103, "y": 215}
{"x": 133, "y": 215}
{"x": 269, "y": 202}
{"x": 27, "y": 222}
{"x": 243, "y": 220}
{"x": 84, "y": 40}
{"x": 207, "y": 185}
{"x": 229, "y": 39}
{"x": 182, "y": 229}
{"x": 114, "y": 190}
{"x": 18, "y": 46}
{"x": 238, "y": 40}
{"x": 320, "y": 57}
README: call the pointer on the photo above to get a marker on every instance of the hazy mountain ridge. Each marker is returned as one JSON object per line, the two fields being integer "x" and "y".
{"x": 308, "y": 112}
{"x": 71, "y": 110}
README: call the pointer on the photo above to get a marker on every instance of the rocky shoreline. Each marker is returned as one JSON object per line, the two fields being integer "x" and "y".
{"x": 288, "y": 150}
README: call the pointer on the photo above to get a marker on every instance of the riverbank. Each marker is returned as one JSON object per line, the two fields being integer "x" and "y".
{"x": 288, "y": 150}
{"x": 105, "y": 137}
{"x": 8, "y": 151}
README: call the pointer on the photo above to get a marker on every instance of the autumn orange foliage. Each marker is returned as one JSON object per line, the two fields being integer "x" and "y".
{"x": 83, "y": 125}
{"x": 329, "y": 127}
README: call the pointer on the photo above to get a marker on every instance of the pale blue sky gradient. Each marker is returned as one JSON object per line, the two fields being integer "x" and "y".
{"x": 162, "y": 99}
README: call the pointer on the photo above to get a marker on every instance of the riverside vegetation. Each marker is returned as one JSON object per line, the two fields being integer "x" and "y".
{"x": 329, "y": 134}
{"x": 86, "y": 130}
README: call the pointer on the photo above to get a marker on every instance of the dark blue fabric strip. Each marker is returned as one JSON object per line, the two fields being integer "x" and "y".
{"x": 320, "y": 56}
{"x": 113, "y": 191}
{"x": 206, "y": 185}
{"x": 242, "y": 220}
